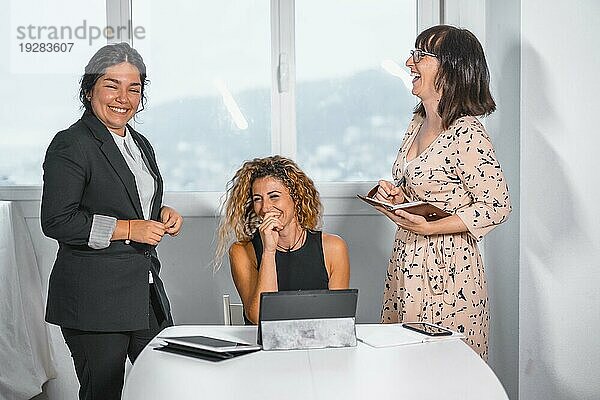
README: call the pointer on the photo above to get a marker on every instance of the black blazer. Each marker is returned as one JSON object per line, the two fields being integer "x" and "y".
{"x": 106, "y": 289}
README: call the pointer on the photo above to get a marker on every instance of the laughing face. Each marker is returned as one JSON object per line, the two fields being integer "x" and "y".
{"x": 423, "y": 74}
{"x": 116, "y": 96}
{"x": 271, "y": 197}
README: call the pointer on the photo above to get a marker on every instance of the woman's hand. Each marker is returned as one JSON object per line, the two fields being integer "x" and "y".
{"x": 412, "y": 222}
{"x": 146, "y": 231}
{"x": 419, "y": 225}
{"x": 171, "y": 220}
{"x": 408, "y": 221}
{"x": 387, "y": 191}
{"x": 269, "y": 230}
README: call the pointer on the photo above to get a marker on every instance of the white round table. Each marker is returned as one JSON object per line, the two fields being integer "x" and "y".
{"x": 439, "y": 370}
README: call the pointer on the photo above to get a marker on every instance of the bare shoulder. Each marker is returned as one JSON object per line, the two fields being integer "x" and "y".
{"x": 242, "y": 253}
{"x": 333, "y": 242}
{"x": 337, "y": 261}
{"x": 240, "y": 249}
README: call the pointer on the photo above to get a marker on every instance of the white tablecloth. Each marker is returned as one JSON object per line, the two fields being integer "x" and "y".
{"x": 26, "y": 360}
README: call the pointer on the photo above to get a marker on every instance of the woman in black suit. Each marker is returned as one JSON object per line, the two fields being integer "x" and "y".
{"x": 102, "y": 202}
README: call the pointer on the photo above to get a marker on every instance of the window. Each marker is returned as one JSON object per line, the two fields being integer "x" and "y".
{"x": 351, "y": 109}
{"x": 39, "y": 86}
{"x": 210, "y": 94}
{"x": 322, "y": 82}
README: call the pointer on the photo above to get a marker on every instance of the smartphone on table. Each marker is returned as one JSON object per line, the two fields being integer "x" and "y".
{"x": 427, "y": 329}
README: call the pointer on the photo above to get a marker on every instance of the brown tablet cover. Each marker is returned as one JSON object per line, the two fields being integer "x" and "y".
{"x": 422, "y": 208}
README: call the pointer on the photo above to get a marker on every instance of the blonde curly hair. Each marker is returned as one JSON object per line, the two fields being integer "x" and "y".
{"x": 238, "y": 220}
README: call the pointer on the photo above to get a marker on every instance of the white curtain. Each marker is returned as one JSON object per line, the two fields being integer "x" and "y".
{"x": 26, "y": 360}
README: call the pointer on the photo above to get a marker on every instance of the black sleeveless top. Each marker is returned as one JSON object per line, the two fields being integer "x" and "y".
{"x": 301, "y": 269}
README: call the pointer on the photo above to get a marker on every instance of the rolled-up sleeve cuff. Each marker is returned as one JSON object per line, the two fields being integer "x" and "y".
{"x": 102, "y": 230}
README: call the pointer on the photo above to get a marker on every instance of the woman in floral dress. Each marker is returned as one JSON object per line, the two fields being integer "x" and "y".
{"x": 436, "y": 272}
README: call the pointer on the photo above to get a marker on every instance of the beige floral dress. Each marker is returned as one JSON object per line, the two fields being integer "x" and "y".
{"x": 440, "y": 278}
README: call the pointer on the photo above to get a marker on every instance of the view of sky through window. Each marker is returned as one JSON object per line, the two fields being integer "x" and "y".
{"x": 209, "y": 97}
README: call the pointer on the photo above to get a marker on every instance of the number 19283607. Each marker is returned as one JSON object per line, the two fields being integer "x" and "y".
{"x": 35, "y": 47}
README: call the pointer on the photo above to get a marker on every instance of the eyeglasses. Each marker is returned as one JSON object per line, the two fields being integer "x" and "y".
{"x": 417, "y": 54}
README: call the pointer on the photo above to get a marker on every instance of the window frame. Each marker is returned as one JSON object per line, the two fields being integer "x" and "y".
{"x": 336, "y": 195}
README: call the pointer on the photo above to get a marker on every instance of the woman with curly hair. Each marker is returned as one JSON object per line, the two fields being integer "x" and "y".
{"x": 272, "y": 211}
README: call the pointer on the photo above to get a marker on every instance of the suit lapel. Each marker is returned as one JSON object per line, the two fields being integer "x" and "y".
{"x": 115, "y": 158}
{"x": 150, "y": 160}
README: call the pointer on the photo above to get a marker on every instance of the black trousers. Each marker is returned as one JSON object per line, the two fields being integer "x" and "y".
{"x": 99, "y": 357}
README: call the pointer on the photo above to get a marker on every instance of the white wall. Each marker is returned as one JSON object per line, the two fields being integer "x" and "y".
{"x": 502, "y": 41}
{"x": 551, "y": 48}
{"x": 497, "y": 26}
{"x": 560, "y": 187}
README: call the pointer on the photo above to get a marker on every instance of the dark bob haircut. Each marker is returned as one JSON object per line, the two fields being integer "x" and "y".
{"x": 106, "y": 57}
{"x": 463, "y": 76}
